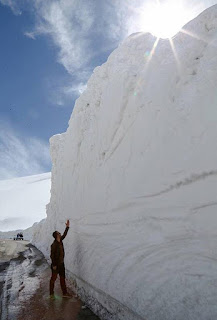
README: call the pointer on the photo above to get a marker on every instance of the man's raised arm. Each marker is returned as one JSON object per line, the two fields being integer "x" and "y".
{"x": 66, "y": 230}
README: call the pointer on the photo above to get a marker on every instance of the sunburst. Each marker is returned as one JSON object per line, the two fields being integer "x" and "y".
{"x": 164, "y": 20}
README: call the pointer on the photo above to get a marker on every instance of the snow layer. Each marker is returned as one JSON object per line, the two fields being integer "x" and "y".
{"x": 136, "y": 174}
{"x": 23, "y": 202}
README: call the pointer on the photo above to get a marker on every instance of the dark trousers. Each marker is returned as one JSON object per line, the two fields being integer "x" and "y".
{"x": 61, "y": 271}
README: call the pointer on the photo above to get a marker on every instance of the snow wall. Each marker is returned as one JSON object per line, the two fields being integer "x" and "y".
{"x": 136, "y": 174}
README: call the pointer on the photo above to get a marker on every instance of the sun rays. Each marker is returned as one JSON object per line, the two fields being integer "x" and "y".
{"x": 171, "y": 40}
{"x": 150, "y": 54}
{"x": 193, "y": 35}
{"x": 165, "y": 20}
{"x": 172, "y": 44}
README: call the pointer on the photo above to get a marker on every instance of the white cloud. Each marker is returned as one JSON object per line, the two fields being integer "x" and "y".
{"x": 83, "y": 31}
{"x": 21, "y": 156}
{"x": 67, "y": 23}
{"x": 75, "y": 89}
{"x": 30, "y": 35}
{"x": 77, "y": 26}
{"x": 13, "y": 5}
{"x": 65, "y": 94}
{"x": 63, "y": 90}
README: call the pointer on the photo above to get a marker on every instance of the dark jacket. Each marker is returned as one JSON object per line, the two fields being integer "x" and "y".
{"x": 57, "y": 250}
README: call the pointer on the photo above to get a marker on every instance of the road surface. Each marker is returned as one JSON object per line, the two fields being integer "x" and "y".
{"x": 24, "y": 287}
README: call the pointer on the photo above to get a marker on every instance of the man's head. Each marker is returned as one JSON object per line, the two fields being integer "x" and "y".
{"x": 57, "y": 235}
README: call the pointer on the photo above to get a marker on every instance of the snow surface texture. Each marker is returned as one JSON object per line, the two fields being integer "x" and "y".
{"x": 136, "y": 174}
{"x": 23, "y": 202}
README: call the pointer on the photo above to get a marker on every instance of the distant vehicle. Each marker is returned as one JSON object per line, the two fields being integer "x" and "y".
{"x": 19, "y": 236}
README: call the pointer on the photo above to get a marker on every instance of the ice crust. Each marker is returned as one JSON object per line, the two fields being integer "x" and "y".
{"x": 136, "y": 174}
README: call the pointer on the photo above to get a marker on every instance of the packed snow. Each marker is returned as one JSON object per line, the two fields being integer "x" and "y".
{"x": 23, "y": 202}
{"x": 136, "y": 174}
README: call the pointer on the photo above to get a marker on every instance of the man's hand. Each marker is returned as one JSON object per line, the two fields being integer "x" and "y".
{"x": 54, "y": 268}
{"x": 67, "y": 223}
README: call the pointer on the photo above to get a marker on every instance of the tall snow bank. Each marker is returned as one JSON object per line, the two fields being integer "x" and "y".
{"x": 136, "y": 174}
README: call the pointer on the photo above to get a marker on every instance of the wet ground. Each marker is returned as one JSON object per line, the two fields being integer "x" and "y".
{"x": 24, "y": 287}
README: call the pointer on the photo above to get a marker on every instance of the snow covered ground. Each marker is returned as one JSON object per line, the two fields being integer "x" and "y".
{"x": 23, "y": 201}
{"x": 136, "y": 174}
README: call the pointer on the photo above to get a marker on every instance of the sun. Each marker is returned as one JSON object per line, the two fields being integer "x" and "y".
{"x": 164, "y": 20}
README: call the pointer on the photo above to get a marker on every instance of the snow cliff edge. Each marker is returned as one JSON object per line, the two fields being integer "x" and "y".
{"x": 136, "y": 175}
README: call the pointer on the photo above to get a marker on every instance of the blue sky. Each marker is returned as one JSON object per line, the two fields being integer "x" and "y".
{"x": 48, "y": 51}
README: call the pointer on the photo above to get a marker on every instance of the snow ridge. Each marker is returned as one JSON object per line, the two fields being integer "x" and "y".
{"x": 192, "y": 179}
{"x": 136, "y": 175}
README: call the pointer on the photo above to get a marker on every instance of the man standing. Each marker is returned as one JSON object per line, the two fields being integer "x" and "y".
{"x": 57, "y": 258}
